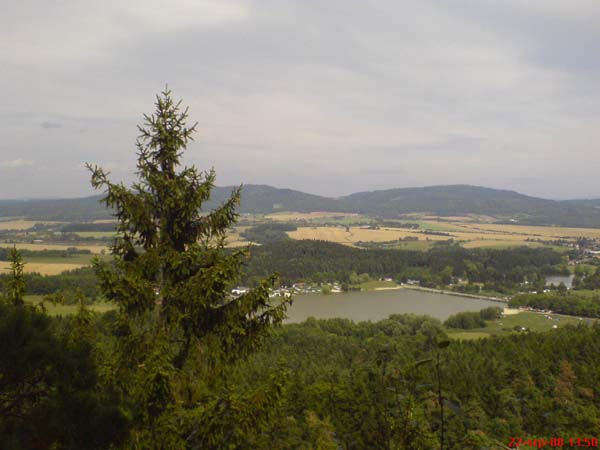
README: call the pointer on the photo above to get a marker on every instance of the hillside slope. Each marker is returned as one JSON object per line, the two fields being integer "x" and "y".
{"x": 459, "y": 200}
{"x": 455, "y": 200}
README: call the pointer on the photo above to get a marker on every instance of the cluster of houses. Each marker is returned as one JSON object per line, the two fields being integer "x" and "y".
{"x": 288, "y": 291}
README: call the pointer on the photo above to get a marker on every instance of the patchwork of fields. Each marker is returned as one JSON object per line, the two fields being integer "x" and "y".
{"x": 342, "y": 228}
{"x": 468, "y": 234}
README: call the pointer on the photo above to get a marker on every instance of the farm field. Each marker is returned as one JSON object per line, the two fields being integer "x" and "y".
{"x": 536, "y": 231}
{"x": 53, "y": 265}
{"x": 19, "y": 224}
{"x": 291, "y": 216}
{"x": 95, "y": 234}
{"x": 96, "y": 249}
{"x": 43, "y": 268}
{"x": 353, "y": 230}
{"x": 353, "y": 235}
{"x": 468, "y": 234}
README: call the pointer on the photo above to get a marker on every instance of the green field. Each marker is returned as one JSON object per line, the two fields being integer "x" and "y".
{"x": 415, "y": 245}
{"x": 433, "y": 225}
{"x": 96, "y": 234}
{"x": 65, "y": 310}
{"x": 74, "y": 259}
{"x": 588, "y": 268}
{"x": 529, "y": 320}
{"x": 372, "y": 285}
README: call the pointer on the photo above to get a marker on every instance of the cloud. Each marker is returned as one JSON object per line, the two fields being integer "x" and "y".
{"x": 15, "y": 163}
{"x": 48, "y": 125}
{"x": 328, "y": 97}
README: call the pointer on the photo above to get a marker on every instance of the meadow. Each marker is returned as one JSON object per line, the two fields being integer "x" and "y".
{"x": 531, "y": 321}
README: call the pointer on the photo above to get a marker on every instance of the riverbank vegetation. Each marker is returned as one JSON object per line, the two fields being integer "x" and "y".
{"x": 575, "y": 303}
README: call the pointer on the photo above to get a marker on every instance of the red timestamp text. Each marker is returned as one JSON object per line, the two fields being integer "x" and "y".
{"x": 584, "y": 442}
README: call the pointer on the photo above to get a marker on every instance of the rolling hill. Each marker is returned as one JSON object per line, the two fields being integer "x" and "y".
{"x": 455, "y": 200}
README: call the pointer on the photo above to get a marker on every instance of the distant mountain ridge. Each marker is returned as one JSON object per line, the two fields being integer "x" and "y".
{"x": 453, "y": 200}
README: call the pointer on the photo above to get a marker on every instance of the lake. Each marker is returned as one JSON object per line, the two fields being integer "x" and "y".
{"x": 556, "y": 280}
{"x": 377, "y": 305}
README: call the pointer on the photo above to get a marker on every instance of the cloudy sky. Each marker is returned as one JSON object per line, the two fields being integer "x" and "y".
{"x": 325, "y": 96}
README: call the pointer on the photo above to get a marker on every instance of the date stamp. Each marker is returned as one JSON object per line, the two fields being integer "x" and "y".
{"x": 584, "y": 442}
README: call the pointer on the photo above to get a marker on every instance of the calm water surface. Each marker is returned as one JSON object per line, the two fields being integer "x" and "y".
{"x": 377, "y": 305}
{"x": 556, "y": 280}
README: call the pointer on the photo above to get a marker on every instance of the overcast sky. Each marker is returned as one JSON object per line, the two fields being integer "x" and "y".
{"x": 329, "y": 97}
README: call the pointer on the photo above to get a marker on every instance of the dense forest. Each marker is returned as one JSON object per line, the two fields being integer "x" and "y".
{"x": 376, "y": 386}
{"x": 574, "y": 302}
{"x": 328, "y": 384}
{"x": 321, "y": 261}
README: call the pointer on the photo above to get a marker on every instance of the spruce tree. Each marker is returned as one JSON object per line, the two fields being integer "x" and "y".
{"x": 177, "y": 326}
{"x": 15, "y": 285}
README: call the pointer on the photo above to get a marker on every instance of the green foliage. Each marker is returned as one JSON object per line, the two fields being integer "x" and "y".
{"x": 469, "y": 320}
{"x": 491, "y": 313}
{"x": 326, "y": 289}
{"x": 268, "y": 232}
{"x": 50, "y": 395}
{"x": 14, "y": 286}
{"x": 574, "y": 303}
{"x": 465, "y": 320}
{"x": 379, "y": 388}
{"x": 304, "y": 260}
{"x": 177, "y": 328}
{"x": 5, "y": 253}
{"x": 591, "y": 280}
{"x": 83, "y": 279}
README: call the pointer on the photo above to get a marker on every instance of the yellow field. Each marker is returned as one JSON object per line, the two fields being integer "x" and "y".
{"x": 21, "y": 224}
{"x": 234, "y": 239}
{"x": 355, "y": 234}
{"x": 95, "y": 234}
{"x": 470, "y": 235}
{"x": 537, "y": 231}
{"x": 340, "y": 235}
{"x": 290, "y": 216}
{"x": 43, "y": 268}
{"x": 488, "y": 243}
{"x": 96, "y": 249}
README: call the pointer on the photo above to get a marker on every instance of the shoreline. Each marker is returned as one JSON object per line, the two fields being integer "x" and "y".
{"x": 458, "y": 294}
{"x": 423, "y": 289}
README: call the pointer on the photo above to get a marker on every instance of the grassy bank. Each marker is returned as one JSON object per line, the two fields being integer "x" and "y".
{"x": 532, "y": 322}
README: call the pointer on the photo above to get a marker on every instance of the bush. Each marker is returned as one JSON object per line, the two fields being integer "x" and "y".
{"x": 491, "y": 313}
{"x": 465, "y": 321}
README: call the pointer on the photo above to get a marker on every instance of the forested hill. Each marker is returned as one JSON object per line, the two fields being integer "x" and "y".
{"x": 67, "y": 209}
{"x": 258, "y": 198}
{"x": 463, "y": 199}
{"x": 392, "y": 203}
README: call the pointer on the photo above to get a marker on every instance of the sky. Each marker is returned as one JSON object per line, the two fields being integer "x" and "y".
{"x": 325, "y": 96}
